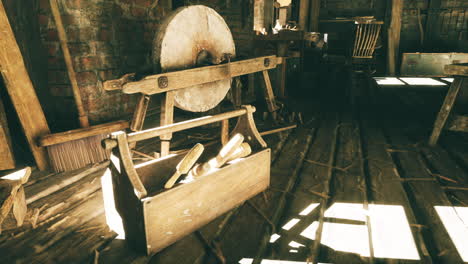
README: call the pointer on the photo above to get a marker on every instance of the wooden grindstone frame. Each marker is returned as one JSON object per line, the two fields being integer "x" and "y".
{"x": 169, "y": 82}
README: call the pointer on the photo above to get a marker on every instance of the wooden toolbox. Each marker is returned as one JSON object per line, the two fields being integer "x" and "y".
{"x": 154, "y": 218}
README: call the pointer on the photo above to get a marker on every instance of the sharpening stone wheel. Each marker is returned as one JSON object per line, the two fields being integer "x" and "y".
{"x": 189, "y": 38}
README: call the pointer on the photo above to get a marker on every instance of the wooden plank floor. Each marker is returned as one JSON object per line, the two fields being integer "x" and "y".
{"x": 357, "y": 183}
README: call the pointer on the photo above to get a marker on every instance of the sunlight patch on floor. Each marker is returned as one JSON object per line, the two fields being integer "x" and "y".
{"x": 388, "y": 81}
{"x": 448, "y": 79}
{"x": 455, "y": 220}
{"x": 351, "y": 211}
{"x": 294, "y": 244}
{"x": 309, "y": 209}
{"x": 391, "y": 233}
{"x": 270, "y": 261}
{"x": 422, "y": 81}
{"x": 113, "y": 219}
{"x": 341, "y": 237}
{"x": 274, "y": 237}
{"x": 291, "y": 224}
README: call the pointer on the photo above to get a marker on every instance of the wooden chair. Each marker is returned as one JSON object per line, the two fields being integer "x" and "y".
{"x": 367, "y": 34}
{"x": 446, "y": 119}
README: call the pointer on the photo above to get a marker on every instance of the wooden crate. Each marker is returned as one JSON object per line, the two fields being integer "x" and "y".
{"x": 158, "y": 218}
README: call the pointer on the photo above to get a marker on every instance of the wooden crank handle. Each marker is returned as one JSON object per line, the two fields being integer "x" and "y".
{"x": 117, "y": 84}
{"x": 185, "y": 164}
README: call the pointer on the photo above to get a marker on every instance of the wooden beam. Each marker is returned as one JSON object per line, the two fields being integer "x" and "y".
{"x": 394, "y": 31}
{"x": 259, "y": 15}
{"x": 164, "y": 82}
{"x": 21, "y": 90}
{"x": 7, "y": 160}
{"x": 445, "y": 110}
{"x": 314, "y": 15}
{"x": 304, "y": 15}
{"x": 456, "y": 69}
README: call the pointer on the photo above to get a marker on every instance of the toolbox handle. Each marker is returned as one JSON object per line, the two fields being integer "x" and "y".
{"x": 247, "y": 110}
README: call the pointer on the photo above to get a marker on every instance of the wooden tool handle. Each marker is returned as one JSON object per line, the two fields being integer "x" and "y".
{"x": 84, "y": 122}
{"x": 243, "y": 151}
{"x": 185, "y": 164}
{"x": 223, "y": 156}
{"x": 228, "y": 150}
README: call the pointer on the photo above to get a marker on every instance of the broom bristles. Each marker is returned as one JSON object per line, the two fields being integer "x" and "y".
{"x": 77, "y": 154}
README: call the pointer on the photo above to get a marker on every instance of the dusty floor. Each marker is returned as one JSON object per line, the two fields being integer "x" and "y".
{"x": 373, "y": 189}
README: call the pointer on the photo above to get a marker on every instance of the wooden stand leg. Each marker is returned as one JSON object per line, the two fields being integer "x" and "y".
{"x": 445, "y": 110}
{"x": 269, "y": 95}
{"x": 140, "y": 113}
{"x": 167, "y": 118}
{"x": 224, "y": 131}
{"x": 282, "y": 79}
{"x": 139, "y": 116}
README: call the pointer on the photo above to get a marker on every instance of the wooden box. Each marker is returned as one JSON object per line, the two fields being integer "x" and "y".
{"x": 154, "y": 218}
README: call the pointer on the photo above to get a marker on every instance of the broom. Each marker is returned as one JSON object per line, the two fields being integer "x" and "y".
{"x": 76, "y": 148}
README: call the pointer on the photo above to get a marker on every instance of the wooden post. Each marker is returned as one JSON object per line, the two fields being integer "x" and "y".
{"x": 269, "y": 14}
{"x": 304, "y": 15}
{"x": 314, "y": 15}
{"x": 259, "y": 15}
{"x": 394, "y": 31}
{"x": 431, "y": 21}
{"x": 167, "y": 118}
{"x": 7, "y": 160}
{"x": 82, "y": 115}
{"x": 269, "y": 95}
{"x": 140, "y": 113}
{"x": 21, "y": 90}
{"x": 281, "y": 77}
{"x": 445, "y": 110}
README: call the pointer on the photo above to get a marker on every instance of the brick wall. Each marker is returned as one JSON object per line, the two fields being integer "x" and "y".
{"x": 448, "y": 34}
{"x": 108, "y": 38}
{"x": 238, "y": 14}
